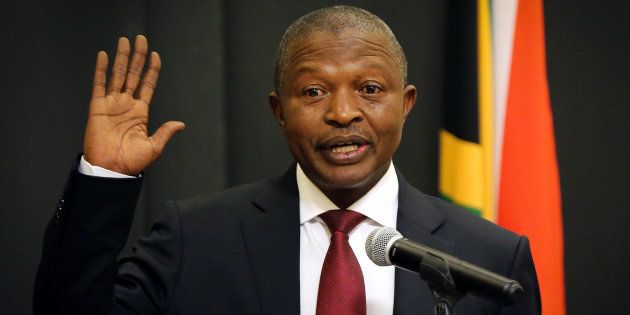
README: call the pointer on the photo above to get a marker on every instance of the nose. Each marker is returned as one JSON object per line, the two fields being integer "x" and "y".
{"x": 343, "y": 110}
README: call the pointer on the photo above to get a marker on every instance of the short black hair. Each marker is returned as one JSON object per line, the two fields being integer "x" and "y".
{"x": 335, "y": 19}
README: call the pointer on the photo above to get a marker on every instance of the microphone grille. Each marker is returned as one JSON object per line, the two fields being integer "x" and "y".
{"x": 377, "y": 245}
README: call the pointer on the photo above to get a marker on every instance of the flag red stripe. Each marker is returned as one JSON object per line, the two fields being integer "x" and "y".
{"x": 529, "y": 191}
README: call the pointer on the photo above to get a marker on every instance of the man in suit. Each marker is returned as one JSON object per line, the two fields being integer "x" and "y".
{"x": 340, "y": 99}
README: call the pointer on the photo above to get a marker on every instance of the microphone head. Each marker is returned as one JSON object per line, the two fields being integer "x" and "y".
{"x": 379, "y": 242}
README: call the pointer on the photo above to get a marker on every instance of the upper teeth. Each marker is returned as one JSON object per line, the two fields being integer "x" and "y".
{"x": 345, "y": 148}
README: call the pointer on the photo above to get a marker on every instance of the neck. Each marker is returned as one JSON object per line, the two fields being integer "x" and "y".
{"x": 344, "y": 197}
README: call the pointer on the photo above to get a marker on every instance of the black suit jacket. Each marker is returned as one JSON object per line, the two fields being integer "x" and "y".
{"x": 237, "y": 252}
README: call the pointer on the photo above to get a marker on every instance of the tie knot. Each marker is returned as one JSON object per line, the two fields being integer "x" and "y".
{"x": 341, "y": 220}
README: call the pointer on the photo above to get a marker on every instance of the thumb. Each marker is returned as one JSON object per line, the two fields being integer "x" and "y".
{"x": 161, "y": 136}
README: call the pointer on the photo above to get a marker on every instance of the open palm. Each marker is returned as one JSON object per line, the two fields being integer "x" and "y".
{"x": 116, "y": 136}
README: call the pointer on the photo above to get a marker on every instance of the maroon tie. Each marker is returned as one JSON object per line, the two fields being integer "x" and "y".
{"x": 341, "y": 286}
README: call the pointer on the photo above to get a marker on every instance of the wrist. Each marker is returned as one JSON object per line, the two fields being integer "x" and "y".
{"x": 86, "y": 168}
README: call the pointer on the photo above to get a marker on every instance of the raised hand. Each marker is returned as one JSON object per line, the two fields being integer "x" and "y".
{"x": 116, "y": 136}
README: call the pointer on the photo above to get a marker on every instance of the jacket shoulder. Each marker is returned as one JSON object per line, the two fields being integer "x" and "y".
{"x": 235, "y": 201}
{"x": 475, "y": 238}
{"x": 467, "y": 221}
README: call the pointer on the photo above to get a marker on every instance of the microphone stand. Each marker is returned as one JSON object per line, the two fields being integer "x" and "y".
{"x": 436, "y": 272}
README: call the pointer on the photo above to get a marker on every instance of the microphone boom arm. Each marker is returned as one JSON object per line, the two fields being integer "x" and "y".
{"x": 436, "y": 272}
{"x": 465, "y": 277}
{"x": 448, "y": 277}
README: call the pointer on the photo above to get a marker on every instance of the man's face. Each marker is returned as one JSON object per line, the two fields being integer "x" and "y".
{"x": 342, "y": 108}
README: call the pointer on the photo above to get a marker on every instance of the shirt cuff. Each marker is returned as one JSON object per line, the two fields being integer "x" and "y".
{"x": 86, "y": 168}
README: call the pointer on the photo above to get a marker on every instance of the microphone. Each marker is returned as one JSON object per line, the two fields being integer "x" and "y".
{"x": 385, "y": 246}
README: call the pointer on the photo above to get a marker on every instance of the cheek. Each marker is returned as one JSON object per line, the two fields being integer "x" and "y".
{"x": 388, "y": 120}
{"x": 299, "y": 129}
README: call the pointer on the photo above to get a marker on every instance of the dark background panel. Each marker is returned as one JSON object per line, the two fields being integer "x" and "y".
{"x": 217, "y": 73}
{"x": 189, "y": 37}
{"x": 588, "y": 49}
{"x": 46, "y": 62}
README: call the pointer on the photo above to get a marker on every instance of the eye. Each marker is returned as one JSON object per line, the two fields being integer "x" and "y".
{"x": 313, "y": 92}
{"x": 371, "y": 89}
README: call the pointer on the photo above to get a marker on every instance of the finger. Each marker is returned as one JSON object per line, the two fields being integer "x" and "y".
{"x": 100, "y": 75}
{"x": 149, "y": 82}
{"x": 119, "y": 69}
{"x": 137, "y": 63}
{"x": 161, "y": 136}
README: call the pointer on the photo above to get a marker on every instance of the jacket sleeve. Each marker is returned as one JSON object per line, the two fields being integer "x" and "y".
{"x": 524, "y": 272}
{"x": 78, "y": 271}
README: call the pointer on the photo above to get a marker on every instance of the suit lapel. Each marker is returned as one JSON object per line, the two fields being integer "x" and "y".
{"x": 272, "y": 239}
{"x": 417, "y": 220}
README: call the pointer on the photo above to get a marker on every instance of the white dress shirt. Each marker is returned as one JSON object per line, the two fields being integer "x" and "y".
{"x": 380, "y": 206}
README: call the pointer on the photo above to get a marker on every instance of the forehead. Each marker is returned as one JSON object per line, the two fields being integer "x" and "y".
{"x": 346, "y": 46}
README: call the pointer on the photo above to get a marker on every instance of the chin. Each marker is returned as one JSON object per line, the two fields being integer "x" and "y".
{"x": 348, "y": 178}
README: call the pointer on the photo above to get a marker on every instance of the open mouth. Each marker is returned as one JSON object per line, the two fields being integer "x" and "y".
{"x": 346, "y": 149}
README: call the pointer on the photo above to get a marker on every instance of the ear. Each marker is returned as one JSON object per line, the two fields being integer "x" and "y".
{"x": 276, "y": 108}
{"x": 409, "y": 99}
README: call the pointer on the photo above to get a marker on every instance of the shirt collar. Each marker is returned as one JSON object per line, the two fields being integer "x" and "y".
{"x": 379, "y": 204}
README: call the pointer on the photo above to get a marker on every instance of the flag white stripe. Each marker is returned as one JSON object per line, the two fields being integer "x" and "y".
{"x": 503, "y": 26}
